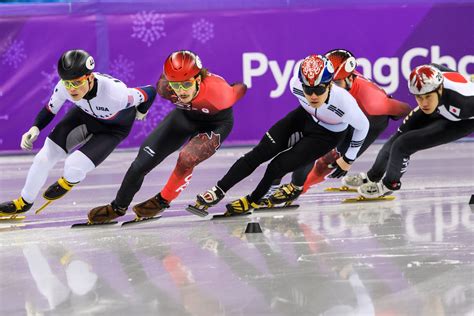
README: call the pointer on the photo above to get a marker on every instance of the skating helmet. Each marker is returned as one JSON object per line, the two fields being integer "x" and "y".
{"x": 343, "y": 61}
{"x": 74, "y": 64}
{"x": 314, "y": 70}
{"x": 182, "y": 65}
{"x": 424, "y": 79}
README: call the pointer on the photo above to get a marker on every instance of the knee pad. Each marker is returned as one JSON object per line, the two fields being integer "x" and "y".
{"x": 49, "y": 155}
{"x": 257, "y": 155}
{"x": 401, "y": 148}
{"x": 199, "y": 148}
{"x": 186, "y": 162}
{"x": 330, "y": 157}
{"x": 76, "y": 167}
{"x": 321, "y": 166}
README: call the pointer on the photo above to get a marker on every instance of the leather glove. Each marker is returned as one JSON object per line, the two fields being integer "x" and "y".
{"x": 29, "y": 138}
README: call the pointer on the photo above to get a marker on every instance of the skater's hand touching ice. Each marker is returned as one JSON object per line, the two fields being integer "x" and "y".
{"x": 29, "y": 138}
{"x": 341, "y": 167}
{"x": 141, "y": 116}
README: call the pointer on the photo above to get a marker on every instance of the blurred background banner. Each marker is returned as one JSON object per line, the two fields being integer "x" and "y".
{"x": 256, "y": 42}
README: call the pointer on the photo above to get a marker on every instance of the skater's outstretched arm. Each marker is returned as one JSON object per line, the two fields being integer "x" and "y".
{"x": 354, "y": 116}
{"x": 142, "y": 98}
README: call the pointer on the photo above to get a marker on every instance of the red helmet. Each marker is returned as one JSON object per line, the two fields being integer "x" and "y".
{"x": 181, "y": 66}
{"x": 343, "y": 61}
{"x": 424, "y": 79}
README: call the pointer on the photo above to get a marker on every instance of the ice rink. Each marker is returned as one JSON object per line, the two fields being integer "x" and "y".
{"x": 410, "y": 256}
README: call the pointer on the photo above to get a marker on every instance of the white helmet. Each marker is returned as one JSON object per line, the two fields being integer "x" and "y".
{"x": 424, "y": 79}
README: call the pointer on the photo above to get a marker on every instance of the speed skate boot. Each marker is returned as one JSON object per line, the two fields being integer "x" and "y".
{"x": 56, "y": 191}
{"x": 12, "y": 208}
{"x": 286, "y": 193}
{"x": 373, "y": 190}
{"x": 243, "y": 206}
{"x": 105, "y": 213}
{"x": 353, "y": 181}
{"x": 271, "y": 191}
{"x": 151, "y": 207}
{"x": 205, "y": 200}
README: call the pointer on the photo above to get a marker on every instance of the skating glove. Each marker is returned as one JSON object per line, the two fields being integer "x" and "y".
{"x": 341, "y": 166}
{"x": 141, "y": 116}
{"x": 29, "y": 138}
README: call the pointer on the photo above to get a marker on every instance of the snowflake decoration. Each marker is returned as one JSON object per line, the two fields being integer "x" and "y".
{"x": 50, "y": 80}
{"x": 13, "y": 53}
{"x": 156, "y": 114}
{"x": 122, "y": 69}
{"x": 148, "y": 26}
{"x": 203, "y": 30}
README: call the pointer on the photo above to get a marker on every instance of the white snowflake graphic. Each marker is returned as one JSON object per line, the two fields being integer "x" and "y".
{"x": 203, "y": 30}
{"x": 13, "y": 52}
{"x": 148, "y": 26}
{"x": 50, "y": 79}
{"x": 156, "y": 114}
{"x": 122, "y": 69}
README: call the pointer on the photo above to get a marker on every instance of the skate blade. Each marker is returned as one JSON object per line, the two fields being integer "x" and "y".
{"x": 363, "y": 199}
{"x": 11, "y": 218}
{"x": 340, "y": 189}
{"x": 138, "y": 220}
{"x": 228, "y": 215}
{"x": 197, "y": 211}
{"x": 43, "y": 207}
{"x": 89, "y": 224}
{"x": 277, "y": 207}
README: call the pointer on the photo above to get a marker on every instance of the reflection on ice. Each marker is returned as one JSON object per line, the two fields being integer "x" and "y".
{"x": 411, "y": 256}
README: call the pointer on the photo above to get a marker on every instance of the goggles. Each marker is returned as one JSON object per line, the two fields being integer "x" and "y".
{"x": 185, "y": 85}
{"x": 318, "y": 90}
{"x": 76, "y": 83}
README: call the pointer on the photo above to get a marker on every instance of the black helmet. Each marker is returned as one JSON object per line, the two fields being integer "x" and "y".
{"x": 74, "y": 64}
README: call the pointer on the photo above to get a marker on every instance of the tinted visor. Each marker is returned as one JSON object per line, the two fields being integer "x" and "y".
{"x": 185, "y": 85}
{"x": 318, "y": 90}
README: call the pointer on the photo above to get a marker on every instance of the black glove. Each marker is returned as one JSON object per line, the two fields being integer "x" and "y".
{"x": 338, "y": 172}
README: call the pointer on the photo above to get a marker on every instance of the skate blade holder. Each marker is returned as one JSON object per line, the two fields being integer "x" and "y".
{"x": 340, "y": 189}
{"x": 138, "y": 220}
{"x": 12, "y": 218}
{"x": 277, "y": 207}
{"x": 227, "y": 215}
{"x": 197, "y": 211}
{"x": 43, "y": 206}
{"x": 89, "y": 224}
{"x": 363, "y": 199}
